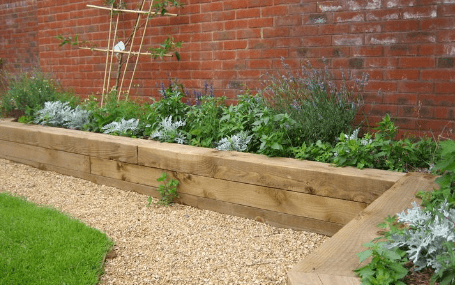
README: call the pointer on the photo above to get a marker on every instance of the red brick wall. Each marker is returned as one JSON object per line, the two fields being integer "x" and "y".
{"x": 18, "y": 35}
{"x": 407, "y": 47}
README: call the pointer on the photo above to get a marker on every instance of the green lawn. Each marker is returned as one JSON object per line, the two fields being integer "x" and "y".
{"x": 41, "y": 245}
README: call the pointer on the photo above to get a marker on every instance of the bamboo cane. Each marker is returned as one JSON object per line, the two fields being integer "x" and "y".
{"x": 130, "y": 11}
{"x": 140, "y": 47}
{"x": 107, "y": 56}
{"x": 131, "y": 48}
{"x": 112, "y": 53}
{"x": 123, "y": 52}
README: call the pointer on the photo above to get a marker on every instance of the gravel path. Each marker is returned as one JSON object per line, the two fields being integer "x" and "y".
{"x": 166, "y": 245}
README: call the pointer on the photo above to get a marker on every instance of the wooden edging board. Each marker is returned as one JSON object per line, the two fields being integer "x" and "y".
{"x": 334, "y": 261}
{"x": 280, "y": 191}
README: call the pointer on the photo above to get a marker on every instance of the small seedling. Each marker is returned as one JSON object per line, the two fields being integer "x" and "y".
{"x": 168, "y": 191}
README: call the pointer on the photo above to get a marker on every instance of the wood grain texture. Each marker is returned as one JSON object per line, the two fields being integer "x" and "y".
{"x": 44, "y": 156}
{"x": 273, "y": 199}
{"x": 276, "y": 219}
{"x": 337, "y": 257}
{"x": 308, "y": 177}
{"x": 96, "y": 145}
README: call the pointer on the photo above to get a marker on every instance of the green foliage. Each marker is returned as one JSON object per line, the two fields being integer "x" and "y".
{"x": 113, "y": 111}
{"x": 28, "y": 92}
{"x": 161, "y": 6}
{"x": 168, "y": 190}
{"x": 446, "y": 167}
{"x": 386, "y": 266}
{"x": 446, "y": 260}
{"x": 167, "y": 46}
{"x": 321, "y": 109}
{"x": 318, "y": 151}
{"x": 273, "y": 131}
{"x": 204, "y": 119}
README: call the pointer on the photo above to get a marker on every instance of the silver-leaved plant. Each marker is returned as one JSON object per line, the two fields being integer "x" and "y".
{"x": 168, "y": 131}
{"x": 427, "y": 233}
{"x": 60, "y": 114}
{"x": 123, "y": 127}
{"x": 237, "y": 142}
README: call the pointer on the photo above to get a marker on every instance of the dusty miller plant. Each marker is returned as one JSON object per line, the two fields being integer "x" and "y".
{"x": 237, "y": 142}
{"x": 427, "y": 234}
{"x": 124, "y": 127}
{"x": 62, "y": 115}
{"x": 168, "y": 131}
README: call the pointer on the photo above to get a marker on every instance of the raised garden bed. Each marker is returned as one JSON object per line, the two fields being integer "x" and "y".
{"x": 345, "y": 203}
{"x": 283, "y": 192}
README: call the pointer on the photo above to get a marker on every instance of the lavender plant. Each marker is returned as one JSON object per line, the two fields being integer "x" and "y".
{"x": 311, "y": 97}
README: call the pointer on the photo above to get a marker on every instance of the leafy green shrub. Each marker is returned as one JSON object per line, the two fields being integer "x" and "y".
{"x": 114, "y": 110}
{"x": 321, "y": 109}
{"x": 28, "y": 92}
{"x": 377, "y": 150}
{"x": 204, "y": 119}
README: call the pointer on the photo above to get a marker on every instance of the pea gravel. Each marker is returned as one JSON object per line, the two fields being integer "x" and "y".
{"x": 166, "y": 245}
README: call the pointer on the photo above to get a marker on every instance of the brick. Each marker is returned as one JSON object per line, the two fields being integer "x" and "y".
{"x": 236, "y": 24}
{"x": 222, "y": 55}
{"x": 223, "y": 35}
{"x": 383, "y": 86}
{"x": 316, "y": 19}
{"x": 234, "y": 4}
{"x": 211, "y": 7}
{"x": 332, "y": 29}
{"x": 420, "y": 12}
{"x": 400, "y": 50}
{"x": 228, "y": 45}
{"x": 275, "y": 53}
{"x": 316, "y": 41}
{"x": 415, "y": 111}
{"x": 381, "y": 62}
{"x": 444, "y": 113}
{"x": 418, "y": 37}
{"x": 445, "y": 62}
{"x": 401, "y": 99}
{"x": 199, "y": 18}
{"x": 401, "y": 25}
{"x": 248, "y": 33}
{"x": 382, "y": 39}
{"x": 438, "y": 23}
{"x": 259, "y": 3}
{"x": 259, "y": 64}
{"x": 400, "y": 3}
{"x": 276, "y": 32}
{"x": 367, "y": 50}
{"x": 247, "y": 13}
{"x": 260, "y": 22}
{"x": 444, "y": 87}
{"x": 365, "y": 28}
{"x": 415, "y": 87}
{"x": 223, "y": 16}
{"x": 402, "y": 74}
{"x": 417, "y": 62}
{"x": 444, "y": 100}
{"x": 341, "y": 17}
{"x": 383, "y": 15}
{"x": 233, "y": 64}
{"x": 306, "y": 30}
{"x": 290, "y": 20}
{"x": 347, "y": 40}
{"x": 271, "y": 11}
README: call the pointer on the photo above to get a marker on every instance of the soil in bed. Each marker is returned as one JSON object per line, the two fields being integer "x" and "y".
{"x": 166, "y": 245}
